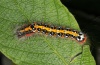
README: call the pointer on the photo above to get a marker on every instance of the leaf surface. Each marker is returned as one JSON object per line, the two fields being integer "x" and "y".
{"x": 39, "y": 49}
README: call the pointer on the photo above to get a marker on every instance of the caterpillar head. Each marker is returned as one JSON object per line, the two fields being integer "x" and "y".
{"x": 81, "y": 37}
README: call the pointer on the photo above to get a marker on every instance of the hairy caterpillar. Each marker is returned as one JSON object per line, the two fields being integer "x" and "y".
{"x": 51, "y": 30}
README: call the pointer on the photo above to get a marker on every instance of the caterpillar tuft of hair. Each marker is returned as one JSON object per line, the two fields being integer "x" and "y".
{"x": 51, "y": 30}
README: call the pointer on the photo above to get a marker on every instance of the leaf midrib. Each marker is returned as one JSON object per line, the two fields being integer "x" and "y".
{"x": 57, "y": 53}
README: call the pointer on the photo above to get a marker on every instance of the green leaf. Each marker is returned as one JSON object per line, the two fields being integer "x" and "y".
{"x": 85, "y": 58}
{"x": 39, "y": 49}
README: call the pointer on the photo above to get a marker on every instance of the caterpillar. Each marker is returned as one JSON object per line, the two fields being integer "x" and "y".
{"x": 51, "y": 30}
